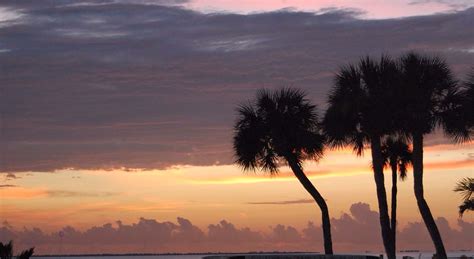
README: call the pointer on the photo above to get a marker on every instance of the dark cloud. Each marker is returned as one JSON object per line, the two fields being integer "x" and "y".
{"x": 11, "y": 176}
{"x": 7, "y": 185}
{"x": 142, "y": 85}
{"x": 351, "y": 231}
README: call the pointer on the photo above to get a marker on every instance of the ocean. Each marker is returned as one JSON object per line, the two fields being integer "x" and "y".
{"x": 416, "y": 255}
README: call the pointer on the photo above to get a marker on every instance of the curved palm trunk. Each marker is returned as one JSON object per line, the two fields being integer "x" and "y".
{"x": 319, "y": 200}
{"x": 382, "y": 197}
{"x": 393, "y": 217}
{"x": 420, "y": 199}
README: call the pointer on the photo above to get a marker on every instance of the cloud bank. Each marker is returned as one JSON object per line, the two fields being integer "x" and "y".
{"x": 356, "y": 231}
{"x": 148, "y": 84}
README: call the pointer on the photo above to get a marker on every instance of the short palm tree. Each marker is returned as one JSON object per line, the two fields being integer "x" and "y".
{"x": 6, "y": 251}
{"x": 359, "y": 113}
{"x": 428, "y": 96}
{"x": 466, "y": 188}
{"x": 397, "y": 156}
{"x": 282, "y": 126}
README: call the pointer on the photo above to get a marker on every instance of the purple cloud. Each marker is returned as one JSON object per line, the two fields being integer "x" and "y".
{"x": 85, "y": 88}
{"x": 355, "y": 231}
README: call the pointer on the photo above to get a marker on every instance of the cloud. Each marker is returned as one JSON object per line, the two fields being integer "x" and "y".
{"x": 351, "y": 231}
{"x": 85, "y": 88}
{"x": 11, "y": 176}
{"x": 300, "y": 201}
{"x": 226, "y": 232}
{"x": 7, "y": 185}
{"x": 455, "y": 4}
{"x": 30, "y": 193}
{"x": 67, "y": 194}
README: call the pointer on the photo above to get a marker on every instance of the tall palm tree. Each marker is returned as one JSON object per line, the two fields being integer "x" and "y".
{"x": 359, "y": 114}
{"x": 428, "y": 96}
{"x": 397, "y": 156}
{"x": 466, "y": 188}
{"x": 456, "y": 109}
{"x": 458, "y": 115}
{"x": 282, "y": 126}
{"x": 469, "y": 102}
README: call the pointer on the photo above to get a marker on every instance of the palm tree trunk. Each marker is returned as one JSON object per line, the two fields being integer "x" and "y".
{"x": 394, "y": 205}
{"x": 420, "y": 199}
{"x": 295, "y": 167}
{"x": 377, "y": 164}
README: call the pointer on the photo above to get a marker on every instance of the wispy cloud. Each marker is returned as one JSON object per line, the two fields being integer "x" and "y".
{"x": 11, "y": 176}
{"x": 66, "y": 194}
{"x": 300, "y": 201}
{"x": 7, "y": 185}
{"x": 28, "y": 193}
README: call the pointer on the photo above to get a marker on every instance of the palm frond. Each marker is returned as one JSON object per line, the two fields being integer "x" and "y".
{"x": 397, "y": 152}
{"x": 466, "y": 206}
{"x": 466, "y": 187}
{"x": 26, "y": 254}
{"x": 275, "y": 125}
{"x": 248, "y": 141}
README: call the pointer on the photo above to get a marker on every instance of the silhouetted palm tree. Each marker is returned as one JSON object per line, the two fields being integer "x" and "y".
{"x": 26, "y": 254}
{"x": 466, "y": 188}
{"x": 456, "y": 109}
{"x": 428, "y": 96}
{"x": 359, "y": 113}
{"x": 397, "y": 156}
{"x": 6, "y": 251}
{"x": 282, "y": 126}
{"x": 469, "y": 102}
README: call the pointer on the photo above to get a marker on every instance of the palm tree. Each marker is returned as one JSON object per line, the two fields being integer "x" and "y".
{"x": 397, "y": 156}
{"x": 456, "y": 109}
{"x": 26, "y": 254}
{"x": 359, "y": 114}
{"x": 428, "y": 96}
{"x": 466, "y": 188}
{"x": 6, "y": 251}
{"x": 282, "y": 126}
{"x": 469, "y": 102}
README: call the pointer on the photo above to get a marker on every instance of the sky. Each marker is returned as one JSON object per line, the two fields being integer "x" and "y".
{"x": 116, "y": 123}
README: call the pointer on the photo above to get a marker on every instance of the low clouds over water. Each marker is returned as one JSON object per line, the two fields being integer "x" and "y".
{"x": 358, "y": 229}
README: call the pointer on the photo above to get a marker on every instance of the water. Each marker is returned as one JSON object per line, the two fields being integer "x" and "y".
{"x": 416, "y": 255}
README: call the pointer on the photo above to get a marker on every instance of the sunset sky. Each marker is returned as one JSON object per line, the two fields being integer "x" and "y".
{"x": 121, "y": 112}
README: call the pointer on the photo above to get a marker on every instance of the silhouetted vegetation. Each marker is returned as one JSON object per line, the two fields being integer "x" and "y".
{"x": 360, "y": 106}
{"x": 6, "y": 251}
{"x": 466, "y": 188}
{"x": 397, "y": 156}
{"x": 282, "y": 127}
{"x": 384, "y": 104}
{"x": 428, "y": 96}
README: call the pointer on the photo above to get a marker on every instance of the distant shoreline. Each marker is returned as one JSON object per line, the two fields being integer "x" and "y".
{"x": 234, "y": 253}
{"x": 161, "y": 254}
